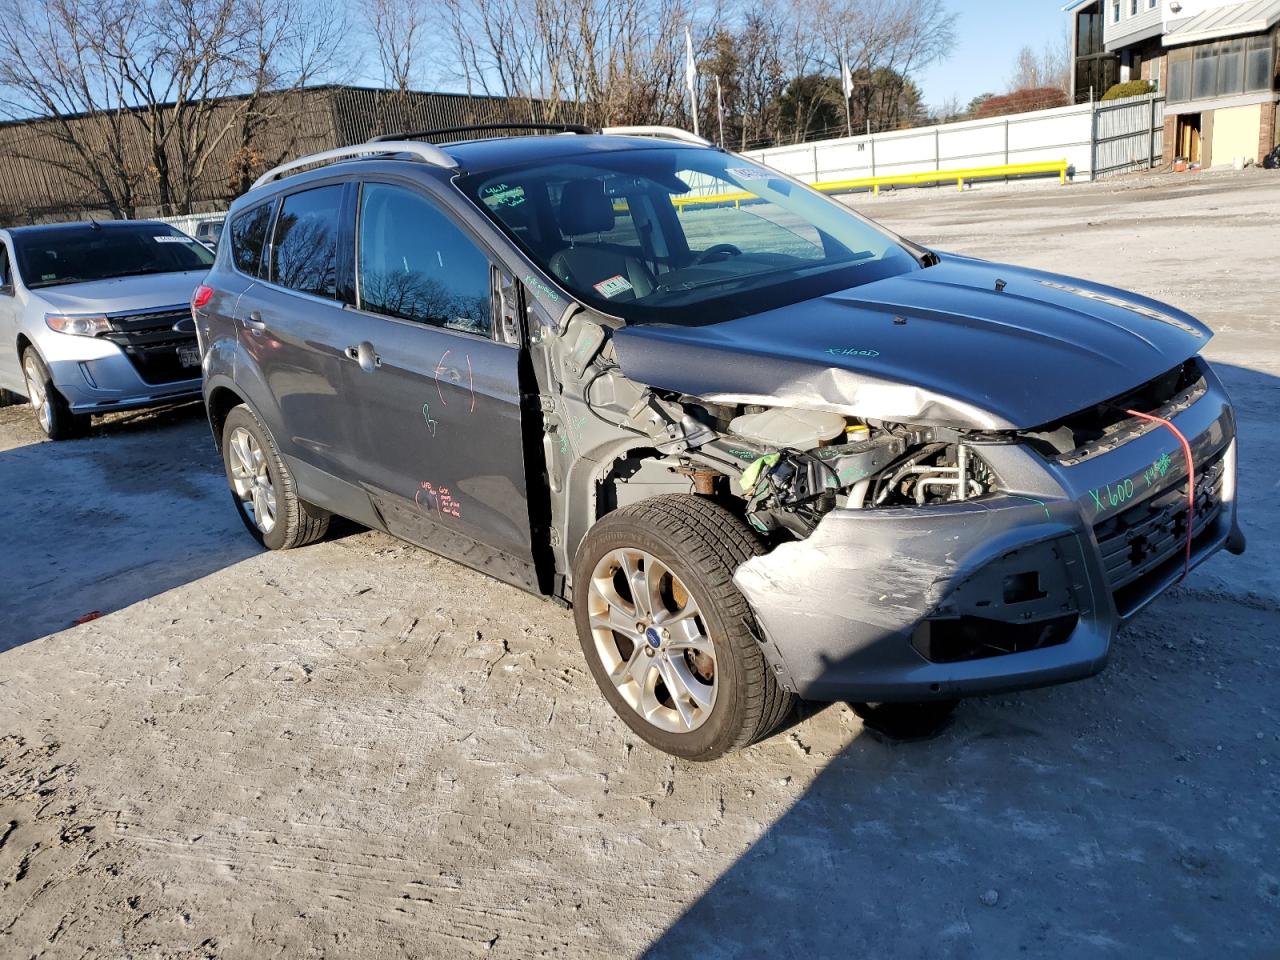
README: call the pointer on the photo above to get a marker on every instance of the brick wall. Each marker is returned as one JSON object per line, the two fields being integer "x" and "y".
{"x": 1170, "y": 151}
{"x": 1267, "y": 130}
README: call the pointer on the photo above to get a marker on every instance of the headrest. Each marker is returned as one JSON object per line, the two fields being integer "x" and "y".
{"x": 584, "y": 208}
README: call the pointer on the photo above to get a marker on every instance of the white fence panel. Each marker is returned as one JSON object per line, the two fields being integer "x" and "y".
{"x": 1130, "y": 128}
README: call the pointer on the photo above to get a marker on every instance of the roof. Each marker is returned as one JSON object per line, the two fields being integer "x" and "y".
{"x": 480, "y": 155}
{"x": 1227, "y": 21}
{"x": 84, "y": 224}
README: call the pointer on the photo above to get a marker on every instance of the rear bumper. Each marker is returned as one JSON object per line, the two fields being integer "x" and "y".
{"x": 1004, "y": 593}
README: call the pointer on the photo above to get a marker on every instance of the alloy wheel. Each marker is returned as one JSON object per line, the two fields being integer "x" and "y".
{"x": 652, "y": 640}
{"x": 37, "y": 393}
{"x": 250, "y": 479}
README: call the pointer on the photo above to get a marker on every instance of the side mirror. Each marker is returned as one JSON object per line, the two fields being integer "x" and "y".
{"x": 6, "y": 289}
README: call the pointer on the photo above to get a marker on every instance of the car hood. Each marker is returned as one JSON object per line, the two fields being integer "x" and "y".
{"x": 121, "y": 294}
{"x": 964, "y": 343}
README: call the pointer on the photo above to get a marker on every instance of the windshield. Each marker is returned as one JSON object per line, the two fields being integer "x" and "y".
{"x": 50, "y": 256}
{"x": 683, "y": 235}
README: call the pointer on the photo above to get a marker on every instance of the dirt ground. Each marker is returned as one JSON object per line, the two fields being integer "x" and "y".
{"x": 361, "y": 750}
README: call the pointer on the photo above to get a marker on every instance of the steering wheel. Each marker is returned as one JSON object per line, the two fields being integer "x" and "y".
{"x": 719, "y": 250}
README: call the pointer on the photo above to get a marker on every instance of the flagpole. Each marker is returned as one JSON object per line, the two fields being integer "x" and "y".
{"x": 720, "y": 109}
{"x": 846, "y": 84}
{"x": 690, "y": 79}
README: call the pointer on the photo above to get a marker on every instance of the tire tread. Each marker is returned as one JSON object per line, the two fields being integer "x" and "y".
{"x": 710, "y": 537}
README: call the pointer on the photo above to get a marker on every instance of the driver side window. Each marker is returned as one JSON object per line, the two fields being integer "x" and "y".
{"x": 415, "y": 264}
{"x": 6, "y": 271}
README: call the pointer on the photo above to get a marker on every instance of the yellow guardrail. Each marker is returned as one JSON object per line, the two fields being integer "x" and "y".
{"x": 902, "y": 179}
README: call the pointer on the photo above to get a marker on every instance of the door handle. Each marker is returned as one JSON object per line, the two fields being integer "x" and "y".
{"x": 254, "y": 321}
{"x": 364, "y": 354}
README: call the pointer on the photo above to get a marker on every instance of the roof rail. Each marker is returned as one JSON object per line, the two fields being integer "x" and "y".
{"x": 669, "y": 133}
{"x": 418, "y": 134}
{"x": 425, "y": 152}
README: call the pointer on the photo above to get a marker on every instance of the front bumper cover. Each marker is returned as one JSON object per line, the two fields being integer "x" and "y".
{"x": 1007, "y": 592}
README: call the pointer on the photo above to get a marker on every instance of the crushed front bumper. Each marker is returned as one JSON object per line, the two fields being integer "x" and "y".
{"x": 1007, "y": 592}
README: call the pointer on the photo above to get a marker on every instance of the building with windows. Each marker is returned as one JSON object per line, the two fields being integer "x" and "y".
{"x": 1215, "y": 62}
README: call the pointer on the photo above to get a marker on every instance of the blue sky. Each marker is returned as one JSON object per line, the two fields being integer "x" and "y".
{"x": 989, "y": 34}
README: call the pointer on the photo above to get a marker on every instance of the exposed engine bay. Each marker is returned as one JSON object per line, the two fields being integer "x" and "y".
{"x": 787, "y": 467}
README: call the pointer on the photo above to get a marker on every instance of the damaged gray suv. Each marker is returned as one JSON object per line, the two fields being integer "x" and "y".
{"x": 764, "y": 448}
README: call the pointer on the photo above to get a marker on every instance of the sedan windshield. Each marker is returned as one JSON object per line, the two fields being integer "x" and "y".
{"x": 683, "y": 235}
{"x": 55, "y": 255}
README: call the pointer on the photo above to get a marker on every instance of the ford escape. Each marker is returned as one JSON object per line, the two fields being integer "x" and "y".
{"x": 764, "y": 448}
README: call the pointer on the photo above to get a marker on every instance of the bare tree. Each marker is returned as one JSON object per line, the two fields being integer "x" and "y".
{"x": 396, "y": 28}
{"x": 1051, "y": 67}
{"x": 51, "y": 65}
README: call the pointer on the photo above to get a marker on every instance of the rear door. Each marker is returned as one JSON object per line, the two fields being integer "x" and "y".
{"x": 292, "y": 323}
{"x": 433, "y": 392}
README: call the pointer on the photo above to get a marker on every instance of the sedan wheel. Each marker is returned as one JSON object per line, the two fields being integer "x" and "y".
{"x": 652, "y": 640}
{"x": 250, "y": 479}
{"x": 37, "y": 393}
{"x": 52, "y": 411}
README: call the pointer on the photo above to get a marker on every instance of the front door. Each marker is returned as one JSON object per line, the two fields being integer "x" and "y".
{"x": 435, "y": 396}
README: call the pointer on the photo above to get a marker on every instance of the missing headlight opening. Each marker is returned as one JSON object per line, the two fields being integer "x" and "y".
{"x": 850, "y": 464}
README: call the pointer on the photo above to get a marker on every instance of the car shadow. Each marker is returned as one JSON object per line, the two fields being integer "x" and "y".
{"x": 1132, "y": 814}
{"x": 138, "y": 507}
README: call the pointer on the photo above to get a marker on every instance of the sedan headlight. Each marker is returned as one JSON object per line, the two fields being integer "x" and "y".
{"x": 79, "y": 326}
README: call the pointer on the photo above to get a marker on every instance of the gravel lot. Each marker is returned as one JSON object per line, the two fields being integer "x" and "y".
{"x": 361, "y": 750}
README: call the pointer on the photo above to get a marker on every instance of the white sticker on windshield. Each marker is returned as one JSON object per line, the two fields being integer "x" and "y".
{"x": 613, "y": 286}
{"x": 173, "y": 239}
{"x": 748, "y": 173}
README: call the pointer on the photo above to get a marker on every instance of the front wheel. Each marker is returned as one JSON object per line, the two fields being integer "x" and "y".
{"x": 667, "y": 636}
{"x": 50, "y": 407}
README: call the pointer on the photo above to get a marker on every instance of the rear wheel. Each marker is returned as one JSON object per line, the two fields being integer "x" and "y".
{"x": 262, "y": 487}
{"x": 50, "y": 407}
{"x": 667, "y": 636}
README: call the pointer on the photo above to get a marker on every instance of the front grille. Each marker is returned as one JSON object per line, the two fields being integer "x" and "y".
{"x": 1137, "y": 542}
{"x": 151, "y": 344}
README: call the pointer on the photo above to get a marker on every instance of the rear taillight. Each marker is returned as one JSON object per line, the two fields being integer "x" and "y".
{"x": 201, "y": 297}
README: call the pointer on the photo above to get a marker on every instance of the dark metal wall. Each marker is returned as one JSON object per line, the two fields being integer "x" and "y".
{"x": 43, "y": 178}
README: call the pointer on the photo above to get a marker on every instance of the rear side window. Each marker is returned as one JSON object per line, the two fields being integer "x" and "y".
{"x": 5, "y": 277}
{"x": 249, "y": 237}
{"x": 416, "y": 265}
{"x": 305, "y": 249}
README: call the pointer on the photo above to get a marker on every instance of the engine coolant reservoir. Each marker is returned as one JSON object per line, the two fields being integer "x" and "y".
{"x": 784, "y": 427}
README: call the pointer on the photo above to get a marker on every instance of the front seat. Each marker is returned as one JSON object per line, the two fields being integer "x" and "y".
{"x": 586, "y": 210}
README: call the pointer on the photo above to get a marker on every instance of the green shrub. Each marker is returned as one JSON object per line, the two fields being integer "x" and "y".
{"x": 1132, "y": 88}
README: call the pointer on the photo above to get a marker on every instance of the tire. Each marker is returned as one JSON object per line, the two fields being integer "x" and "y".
{"x": 686, "y": 548}
{"x": 50, "y": 407}
{"x": 262, "y": 487}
